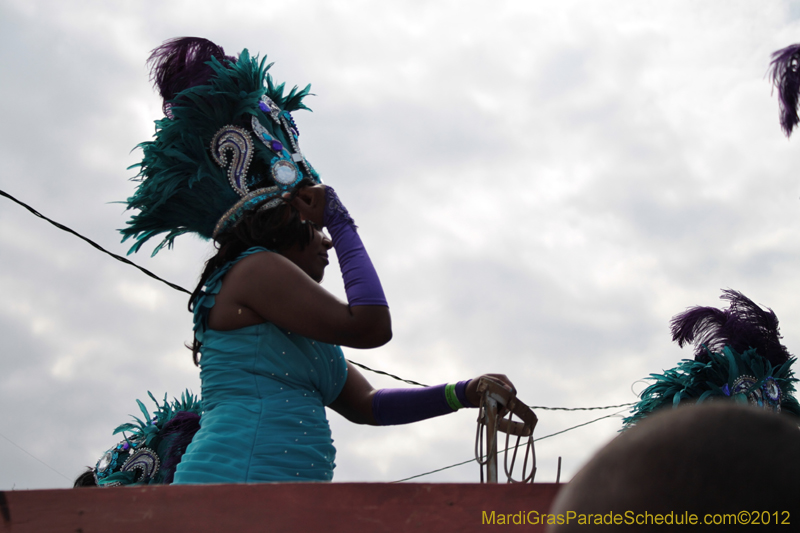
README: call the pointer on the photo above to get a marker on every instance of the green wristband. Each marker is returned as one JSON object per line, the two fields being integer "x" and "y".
{"x": 451, "y": 397}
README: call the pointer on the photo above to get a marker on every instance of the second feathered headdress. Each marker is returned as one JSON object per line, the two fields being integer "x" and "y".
{"x": 738, "y": 356}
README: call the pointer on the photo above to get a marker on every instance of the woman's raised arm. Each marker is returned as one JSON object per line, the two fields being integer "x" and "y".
{"x": 283, "y": 288}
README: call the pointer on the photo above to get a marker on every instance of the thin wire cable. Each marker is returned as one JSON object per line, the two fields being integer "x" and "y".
{"x": 417, "y": 383}
{"x": 179, "y": 288}
{"x": 381, "y": 372}
{"x": 154, "y": 276}
{"x": 502, "y": 451}
{"x": 94, "y": 244}
{"x": 578, "y": 426}
{"x": 581, "y": 408}
{"x": 30, "y": 454}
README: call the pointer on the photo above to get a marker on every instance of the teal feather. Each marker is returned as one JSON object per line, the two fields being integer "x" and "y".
{"x": 142, "y": 408}
{"x": 164, "y": 412}
{"x": 733, "y": 367}
{"x": 126, "y": 427}
{"x": 705, "y": 395}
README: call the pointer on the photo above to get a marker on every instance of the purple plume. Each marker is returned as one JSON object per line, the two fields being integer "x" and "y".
{"x": 180, "y": 63}
{"x": 742, "y": 326}
{"x": 177, "y": 434}
{"x": 785, "y": 74}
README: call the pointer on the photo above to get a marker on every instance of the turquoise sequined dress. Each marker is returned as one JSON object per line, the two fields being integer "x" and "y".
{"x": 264, "y": 394}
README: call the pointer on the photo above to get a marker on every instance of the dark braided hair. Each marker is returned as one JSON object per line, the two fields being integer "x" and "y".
{"x": 276, "y": 229}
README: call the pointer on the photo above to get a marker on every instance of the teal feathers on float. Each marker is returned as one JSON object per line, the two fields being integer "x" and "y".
{"x": 738, "y": 357}
{"x": 695, "y": 382}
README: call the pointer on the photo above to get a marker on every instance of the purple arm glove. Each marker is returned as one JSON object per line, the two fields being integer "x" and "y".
{"x": 361, "y": 283}
{"x": 403, "y": 406}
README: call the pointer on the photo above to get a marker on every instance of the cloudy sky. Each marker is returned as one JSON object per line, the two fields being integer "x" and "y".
{"x": 541, "y": 186}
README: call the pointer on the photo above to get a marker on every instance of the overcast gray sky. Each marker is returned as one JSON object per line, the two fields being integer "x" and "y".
{"x": 541, "y": 186}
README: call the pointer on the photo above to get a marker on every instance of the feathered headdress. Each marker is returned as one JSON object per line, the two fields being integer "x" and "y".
{"x": 154, "y": 445}
{"x": 737, "y": 356}
{"x": 742, "y": 326}
{"x": 228, "y": 144}
{"x": 785, "y": 74}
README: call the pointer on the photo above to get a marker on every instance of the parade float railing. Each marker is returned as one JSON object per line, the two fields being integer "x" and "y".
{"x": 312, "y": 507}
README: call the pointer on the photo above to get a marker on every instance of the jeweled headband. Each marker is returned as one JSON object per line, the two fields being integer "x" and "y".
{"x": 204, "y": 170}
{"x": 283, "y": 166}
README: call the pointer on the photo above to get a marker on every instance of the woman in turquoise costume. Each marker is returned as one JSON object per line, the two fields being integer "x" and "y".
{"x": 225, "y": 163}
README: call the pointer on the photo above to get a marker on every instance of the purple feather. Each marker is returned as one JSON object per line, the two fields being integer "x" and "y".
{"x": 785, "y": 74}
{"x": 742, "y": 326}
{"x": 177, "y": 434}
{"x": 181, "y": 63}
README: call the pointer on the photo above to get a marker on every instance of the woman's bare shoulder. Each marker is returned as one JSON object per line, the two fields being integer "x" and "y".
{"x": 254, "y": 282}
{"x": 260, "y": 262}
{"x": 260, "y": 271}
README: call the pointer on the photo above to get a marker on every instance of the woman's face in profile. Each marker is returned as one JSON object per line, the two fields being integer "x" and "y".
{"x": 313, "y": 258}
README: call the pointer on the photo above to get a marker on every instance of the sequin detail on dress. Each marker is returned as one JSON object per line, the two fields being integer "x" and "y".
{"x": 264, "y": 394}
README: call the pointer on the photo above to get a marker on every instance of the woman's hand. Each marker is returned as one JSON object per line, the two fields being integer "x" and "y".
{"x": 310, "y": 203}
{"x": 472, "y": 387}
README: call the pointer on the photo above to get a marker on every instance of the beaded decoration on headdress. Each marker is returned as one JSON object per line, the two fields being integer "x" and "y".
{"x": 738, "y": 357}
{"x": 204, "y": 170}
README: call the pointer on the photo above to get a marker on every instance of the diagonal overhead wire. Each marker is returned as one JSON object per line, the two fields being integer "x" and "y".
{"x": 36, "y": 458}
{"x": 179, "y": 288}
{"x": 381, "y": 372}
{"x": 506, "y": 449}
{"x": 91, "y": 242}
{"x": 581, "y": 408}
